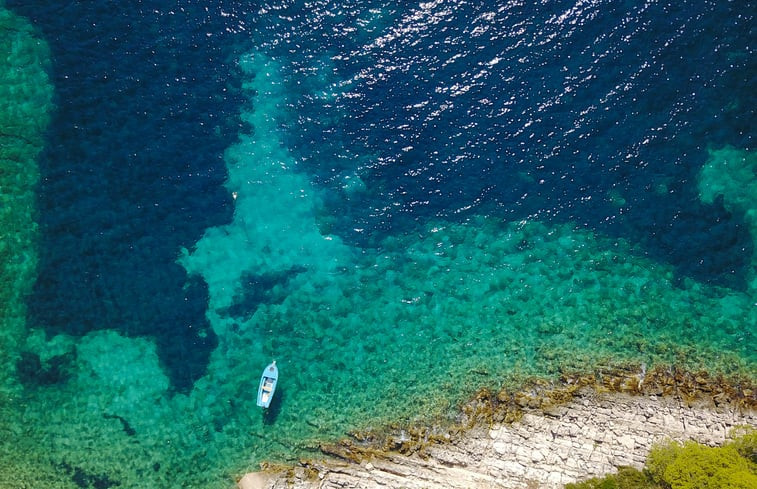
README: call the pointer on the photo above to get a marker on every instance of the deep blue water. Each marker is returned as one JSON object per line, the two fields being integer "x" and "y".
{"x": 613, "y": 97}
{"x": 145, "y": 107}
{"x": 599, "y": 118}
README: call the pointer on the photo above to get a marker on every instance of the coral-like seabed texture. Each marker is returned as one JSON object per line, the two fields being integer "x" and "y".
{"x": 398, "y": 327}
{"x": 25, "y": 103}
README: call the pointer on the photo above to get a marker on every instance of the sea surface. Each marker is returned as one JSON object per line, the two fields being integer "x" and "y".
{"x": 399, "y": 202}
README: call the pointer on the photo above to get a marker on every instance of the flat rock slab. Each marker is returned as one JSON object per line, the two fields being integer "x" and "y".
{"x": 590, "y": 436}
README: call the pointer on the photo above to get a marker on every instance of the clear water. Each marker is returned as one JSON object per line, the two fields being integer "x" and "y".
{"x": 400, "y": 204}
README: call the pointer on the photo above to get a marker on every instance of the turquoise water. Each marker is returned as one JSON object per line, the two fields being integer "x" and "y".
{"x": 400, "y": 205}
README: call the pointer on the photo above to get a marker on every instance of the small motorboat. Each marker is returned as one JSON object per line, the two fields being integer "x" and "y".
{"x": 268, "y": 385}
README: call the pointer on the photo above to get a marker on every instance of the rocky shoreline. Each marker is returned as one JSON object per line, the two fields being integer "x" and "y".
{"x": 542, "y": 436}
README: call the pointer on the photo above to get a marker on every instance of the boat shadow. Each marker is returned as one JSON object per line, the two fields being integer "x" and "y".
{"x": 270, "y": 414}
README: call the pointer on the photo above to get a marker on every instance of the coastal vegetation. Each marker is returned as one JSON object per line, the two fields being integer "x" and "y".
{"x": 689, "y": 465}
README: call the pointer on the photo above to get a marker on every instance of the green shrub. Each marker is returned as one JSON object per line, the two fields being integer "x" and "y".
{"x": 672, "y": 465}
{"x": 746, "y": 443}
{"x": 660, "y": 458}
{"x": 695, "y": 466}
{"x": 700, "y": 467}
{"x": 626, "y": 478}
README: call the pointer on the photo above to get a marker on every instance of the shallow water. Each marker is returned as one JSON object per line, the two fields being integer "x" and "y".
{"x": 399, "y": 204}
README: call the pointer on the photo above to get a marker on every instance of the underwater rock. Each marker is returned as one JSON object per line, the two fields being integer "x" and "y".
{"x": 87, "y": 480}
{"x": 124, "y": 423}
{"x": 31, "y": 370}
{"x": 254, "y": 480}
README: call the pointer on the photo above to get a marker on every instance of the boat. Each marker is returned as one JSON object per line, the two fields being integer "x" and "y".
{"x": 268, "y": 385}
